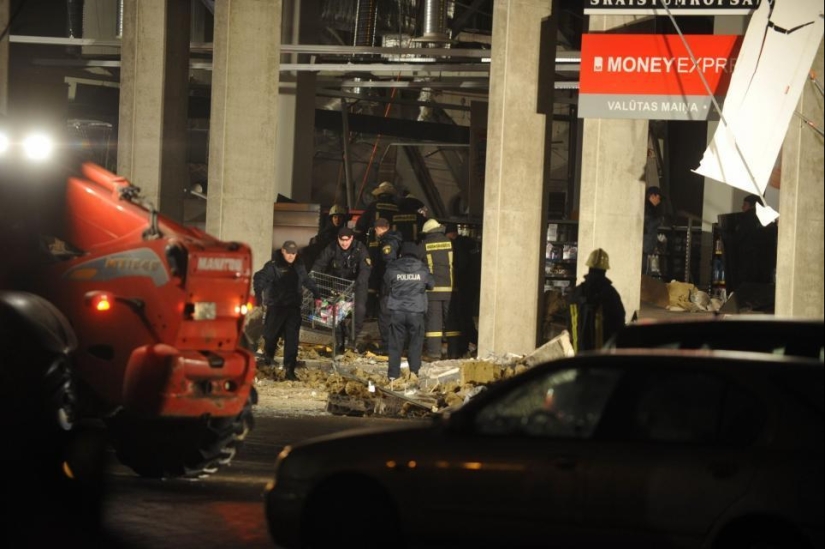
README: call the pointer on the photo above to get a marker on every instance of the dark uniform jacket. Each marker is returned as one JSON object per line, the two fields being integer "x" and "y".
{"x": 407, "y": 280}
{"x": 384, "y": 206}
{"x": 438, "y": 255}
{"x": 389, "y": 244}
{"x": 652, "y": 223}
{"x": 351, "y": 264}
{"x": 279, "y": 284}
{"x": 410, "y": 219}
{"x": 596, "y": 312}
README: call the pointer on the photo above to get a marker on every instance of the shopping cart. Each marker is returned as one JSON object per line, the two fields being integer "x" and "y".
{"x": 337, "y": 303}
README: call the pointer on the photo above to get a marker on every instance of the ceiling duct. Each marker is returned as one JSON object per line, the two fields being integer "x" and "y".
{"x": 365, "y": 23}
{"x": 434, "y": 23}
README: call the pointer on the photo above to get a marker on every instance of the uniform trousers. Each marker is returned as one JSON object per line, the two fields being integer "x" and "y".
{"x": 403, "y": 326}
{"x": 284, "y": 321}
{"x": 441, "y": 323}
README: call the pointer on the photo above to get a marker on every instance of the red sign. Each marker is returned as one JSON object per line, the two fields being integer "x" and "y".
{"x": 654, "y": 67}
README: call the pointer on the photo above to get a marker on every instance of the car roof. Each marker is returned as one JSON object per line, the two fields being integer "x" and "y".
{"x": 700, "y": 359}
{"x": 759, "y": 333}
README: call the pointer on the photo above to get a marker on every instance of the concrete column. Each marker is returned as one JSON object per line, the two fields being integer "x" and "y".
{"x": 4, "y": 56}
{"x": 513, "y": 243}
{"x": 296, "y": 105}
{"x": 799, "y": 266}
{"x": 154, "y": 100}
{"x": 244, "y": 123}
{"x": 611, "y": 199}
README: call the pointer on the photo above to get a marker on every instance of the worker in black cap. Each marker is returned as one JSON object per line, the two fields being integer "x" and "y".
{"x": 279, "y": 287}
{"x": 407, "y": 280}
{"x": 348, "y": 258}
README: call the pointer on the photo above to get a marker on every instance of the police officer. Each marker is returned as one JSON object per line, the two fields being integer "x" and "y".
{"x": 438, "y": 255}
{"x": 389, "y": 243}
{"x": 348, "y": 258}
{"x": 278, "y": 285}
{"x": 386, "y": 206}
{"x": 596, "y": 309}
{"x": 407, "y": 279}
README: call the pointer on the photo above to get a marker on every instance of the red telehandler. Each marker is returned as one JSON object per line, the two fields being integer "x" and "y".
{"x": 111, "y": 311}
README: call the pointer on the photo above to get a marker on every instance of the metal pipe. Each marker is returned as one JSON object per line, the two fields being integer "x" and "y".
{"x": 119, "y": 29}
{"x": 74, "y": 18}
{"x": 345, "y": 144}
{"x": 434, "y": 22}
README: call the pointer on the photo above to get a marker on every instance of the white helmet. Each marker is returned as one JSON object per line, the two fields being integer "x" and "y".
{"x": 430, "y": 225}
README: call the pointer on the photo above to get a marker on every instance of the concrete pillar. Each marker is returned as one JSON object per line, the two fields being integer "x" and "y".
{"x": 244, "y": 123}
{"x": 4, "y": 56}
{"x": 154, "y": 100}
{"x": 513, "y": 243}
{"x": 799, "y": 266}
{"x": 296, "y": 105}
{"x": 611, "y": 199}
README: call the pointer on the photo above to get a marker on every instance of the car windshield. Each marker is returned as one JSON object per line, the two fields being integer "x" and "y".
{"x": 562, "y": 403}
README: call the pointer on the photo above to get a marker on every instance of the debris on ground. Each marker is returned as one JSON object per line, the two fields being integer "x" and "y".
{"x": 357, "y": 385}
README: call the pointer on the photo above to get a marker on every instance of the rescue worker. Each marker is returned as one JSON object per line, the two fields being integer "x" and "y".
{"x": 278, "y": 286}
{"x": 407, "y": 280}
{"x": 385, "y": 206}
{"x": 438, "y": 255}
{"x": 596, "y": 309}
{"x": 337, "y": 217}
{"x": 410, "y": 219}
{"x": 347, "y": 258}
{"x": 389, "y": 243}
{"x": 467, "y": 276}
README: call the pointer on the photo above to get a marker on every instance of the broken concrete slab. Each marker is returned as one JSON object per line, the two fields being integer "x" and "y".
{"x": 558, "y": 347}
{"x": 478, "y": 372}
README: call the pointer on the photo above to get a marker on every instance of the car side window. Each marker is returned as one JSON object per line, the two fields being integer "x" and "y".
{"x": 694, "y": 408}
{"x": 565, "y": 403}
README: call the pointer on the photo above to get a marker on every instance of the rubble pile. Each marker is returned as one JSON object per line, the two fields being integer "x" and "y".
{"x": 357, "y": 384}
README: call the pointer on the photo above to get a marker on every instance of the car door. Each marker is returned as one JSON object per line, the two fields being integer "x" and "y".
{"x": 677, "y": 454}
{"x": 516, "y": 472}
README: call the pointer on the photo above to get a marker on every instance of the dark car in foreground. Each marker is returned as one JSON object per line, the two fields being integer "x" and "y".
{"x": 644, "y": 448}
{"x": 755, "y": 333}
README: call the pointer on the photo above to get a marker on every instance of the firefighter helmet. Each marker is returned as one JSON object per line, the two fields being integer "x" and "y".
{"x": 430, "y": 225}
{"x": 384, "y": 188}
{"x": 336, "y": 210}
{"x": 598, "y": 260}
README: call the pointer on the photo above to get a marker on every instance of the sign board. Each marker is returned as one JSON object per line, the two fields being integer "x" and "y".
{"x": 652, "y": 76}
{"x": 676, "y": 7}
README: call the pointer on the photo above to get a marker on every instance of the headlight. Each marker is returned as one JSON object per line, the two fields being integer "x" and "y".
{"x": 38, "y": 146}
{"x": 4, "y": 143}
